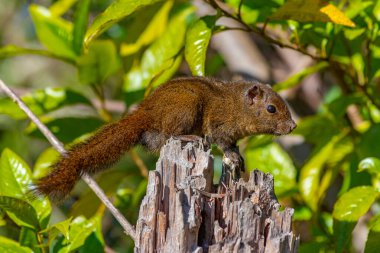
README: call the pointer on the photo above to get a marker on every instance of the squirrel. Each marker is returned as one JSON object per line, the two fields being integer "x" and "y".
{"x": 222, "y": 111}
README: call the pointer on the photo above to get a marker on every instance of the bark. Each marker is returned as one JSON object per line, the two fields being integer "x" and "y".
{"x": 184, "y": 212}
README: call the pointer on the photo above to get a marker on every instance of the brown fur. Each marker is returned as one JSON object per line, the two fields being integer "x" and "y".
{"x": 222, "y": 111}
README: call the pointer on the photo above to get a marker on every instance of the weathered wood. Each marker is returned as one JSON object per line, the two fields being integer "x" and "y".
{"x": 183, "y": 212}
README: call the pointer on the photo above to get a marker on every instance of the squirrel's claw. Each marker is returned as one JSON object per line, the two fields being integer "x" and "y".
{"x": 234, "y": 162}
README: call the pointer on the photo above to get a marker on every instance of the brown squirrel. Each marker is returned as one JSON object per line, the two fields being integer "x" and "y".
{"x": 222, "y": 111}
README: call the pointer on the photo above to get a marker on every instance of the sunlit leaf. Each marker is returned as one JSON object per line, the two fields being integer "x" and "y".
{"x": 10, "y": 246}
{"x": 153, "y": 30}
{"x": 311, "y": 172}
{"x": 54, "y": 32}
{"x": 371, "y": 164}
{"x": 118, "y": 10}
{"x": 354, "y": 203}
{"x": 15, "y": 175}
{"x": 273, "y": 159}
{"x": 60, "y": 7}
{"x": 197, "y": 40}
{"x": 42, "y": 102}
{"x": 296, "y": 79}
{"x": 16, "y": 181}
{"x": 161, "y": 55}
{"x": 44, "y": 162}
{"x": 59, "y": 228}
{"x": 352, "y": 34}
{"x": 80, "y": 24}
{"x": 311, "y": 11}
{"x": 80, "y": 230}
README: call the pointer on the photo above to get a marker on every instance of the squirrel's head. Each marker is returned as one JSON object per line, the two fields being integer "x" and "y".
{"x": 270, "y": 114}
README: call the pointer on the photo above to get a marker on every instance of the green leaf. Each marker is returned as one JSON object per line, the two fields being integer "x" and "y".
{"x": 62, "y": 227}
{"x": 101, "y": 61}
{"x": 44, "y": 162}
{"x": 118, "y": 10}
{"x": 373, "y": 243}
{"x": 197, "y": 39}
{"x": 67, "y": 128}
{"x": 54, "y": 32}
{"x": 162, "y": 55}
{"x": 15, "y": 175}
{"x": 311, "y": 11}
{"x": 342, "y": 235}
{"x": 92, "y": 244}
{"x": 21, "y": 212}
{"x": 12, "y": 50}
{"x": 371, "y": 164}
{"x": 16, "y": 180}
{"x": 317, "y": 129}
{"x": 297, "y": 78}
{"x": 369, "y": 145}
{"x": 339, "y": 106}
{"x": 42, "y": 102}
{"x": 302, "y": 214}
{"x": 95, "y": 242}
{"x": 28, "y": 237}
{"x": 10, "y": 246}
{"x": 80, "y": 24}
{"x": 273, "y": 159}
{"x": 354, "y": 203}
{"x": 311, "y": 172}
{"x": 60, "y": 7}
{"x": 153, "y": 30}
{"x": 80, "y": 230}
{"x": 255, "y": 11}
{"x": 334, "y": 164}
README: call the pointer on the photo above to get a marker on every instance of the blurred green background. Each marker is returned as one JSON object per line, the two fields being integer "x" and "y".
{"x": 79, "y": 64}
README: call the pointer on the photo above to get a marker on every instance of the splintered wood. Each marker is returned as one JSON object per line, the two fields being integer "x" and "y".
{"x": 183, "y": 212}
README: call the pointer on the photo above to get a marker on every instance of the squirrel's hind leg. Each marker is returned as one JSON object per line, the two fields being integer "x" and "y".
{"x": 153, "y": 140}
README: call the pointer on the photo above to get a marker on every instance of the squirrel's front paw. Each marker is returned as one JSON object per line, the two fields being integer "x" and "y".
{"x": 234, "y": 162}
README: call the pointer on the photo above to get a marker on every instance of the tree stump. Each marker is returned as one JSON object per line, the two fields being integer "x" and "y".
{"x": 184, "y": 212}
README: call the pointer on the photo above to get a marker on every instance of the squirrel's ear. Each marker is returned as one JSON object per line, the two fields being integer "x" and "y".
{"x": 253, "y": 93}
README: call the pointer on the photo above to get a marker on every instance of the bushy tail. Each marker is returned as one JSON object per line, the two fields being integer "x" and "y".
{"x": 95, "y": 154}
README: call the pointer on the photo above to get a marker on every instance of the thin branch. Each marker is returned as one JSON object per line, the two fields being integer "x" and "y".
{"x": 128, "y": 228}
{"x": 140, "y": 163}
{"x": 260, "y": 32}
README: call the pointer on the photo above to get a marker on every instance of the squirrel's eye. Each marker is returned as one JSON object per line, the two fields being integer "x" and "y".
{"x": 271, "y": 108}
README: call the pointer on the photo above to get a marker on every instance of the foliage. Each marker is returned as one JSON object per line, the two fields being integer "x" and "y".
{"x": 123, "y": 49}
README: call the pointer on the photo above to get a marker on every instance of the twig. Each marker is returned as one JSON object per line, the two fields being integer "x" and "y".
{"x": 140, "y": 163}
{"x": 256, "y": 30}
{"x": 128, "y": 228}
